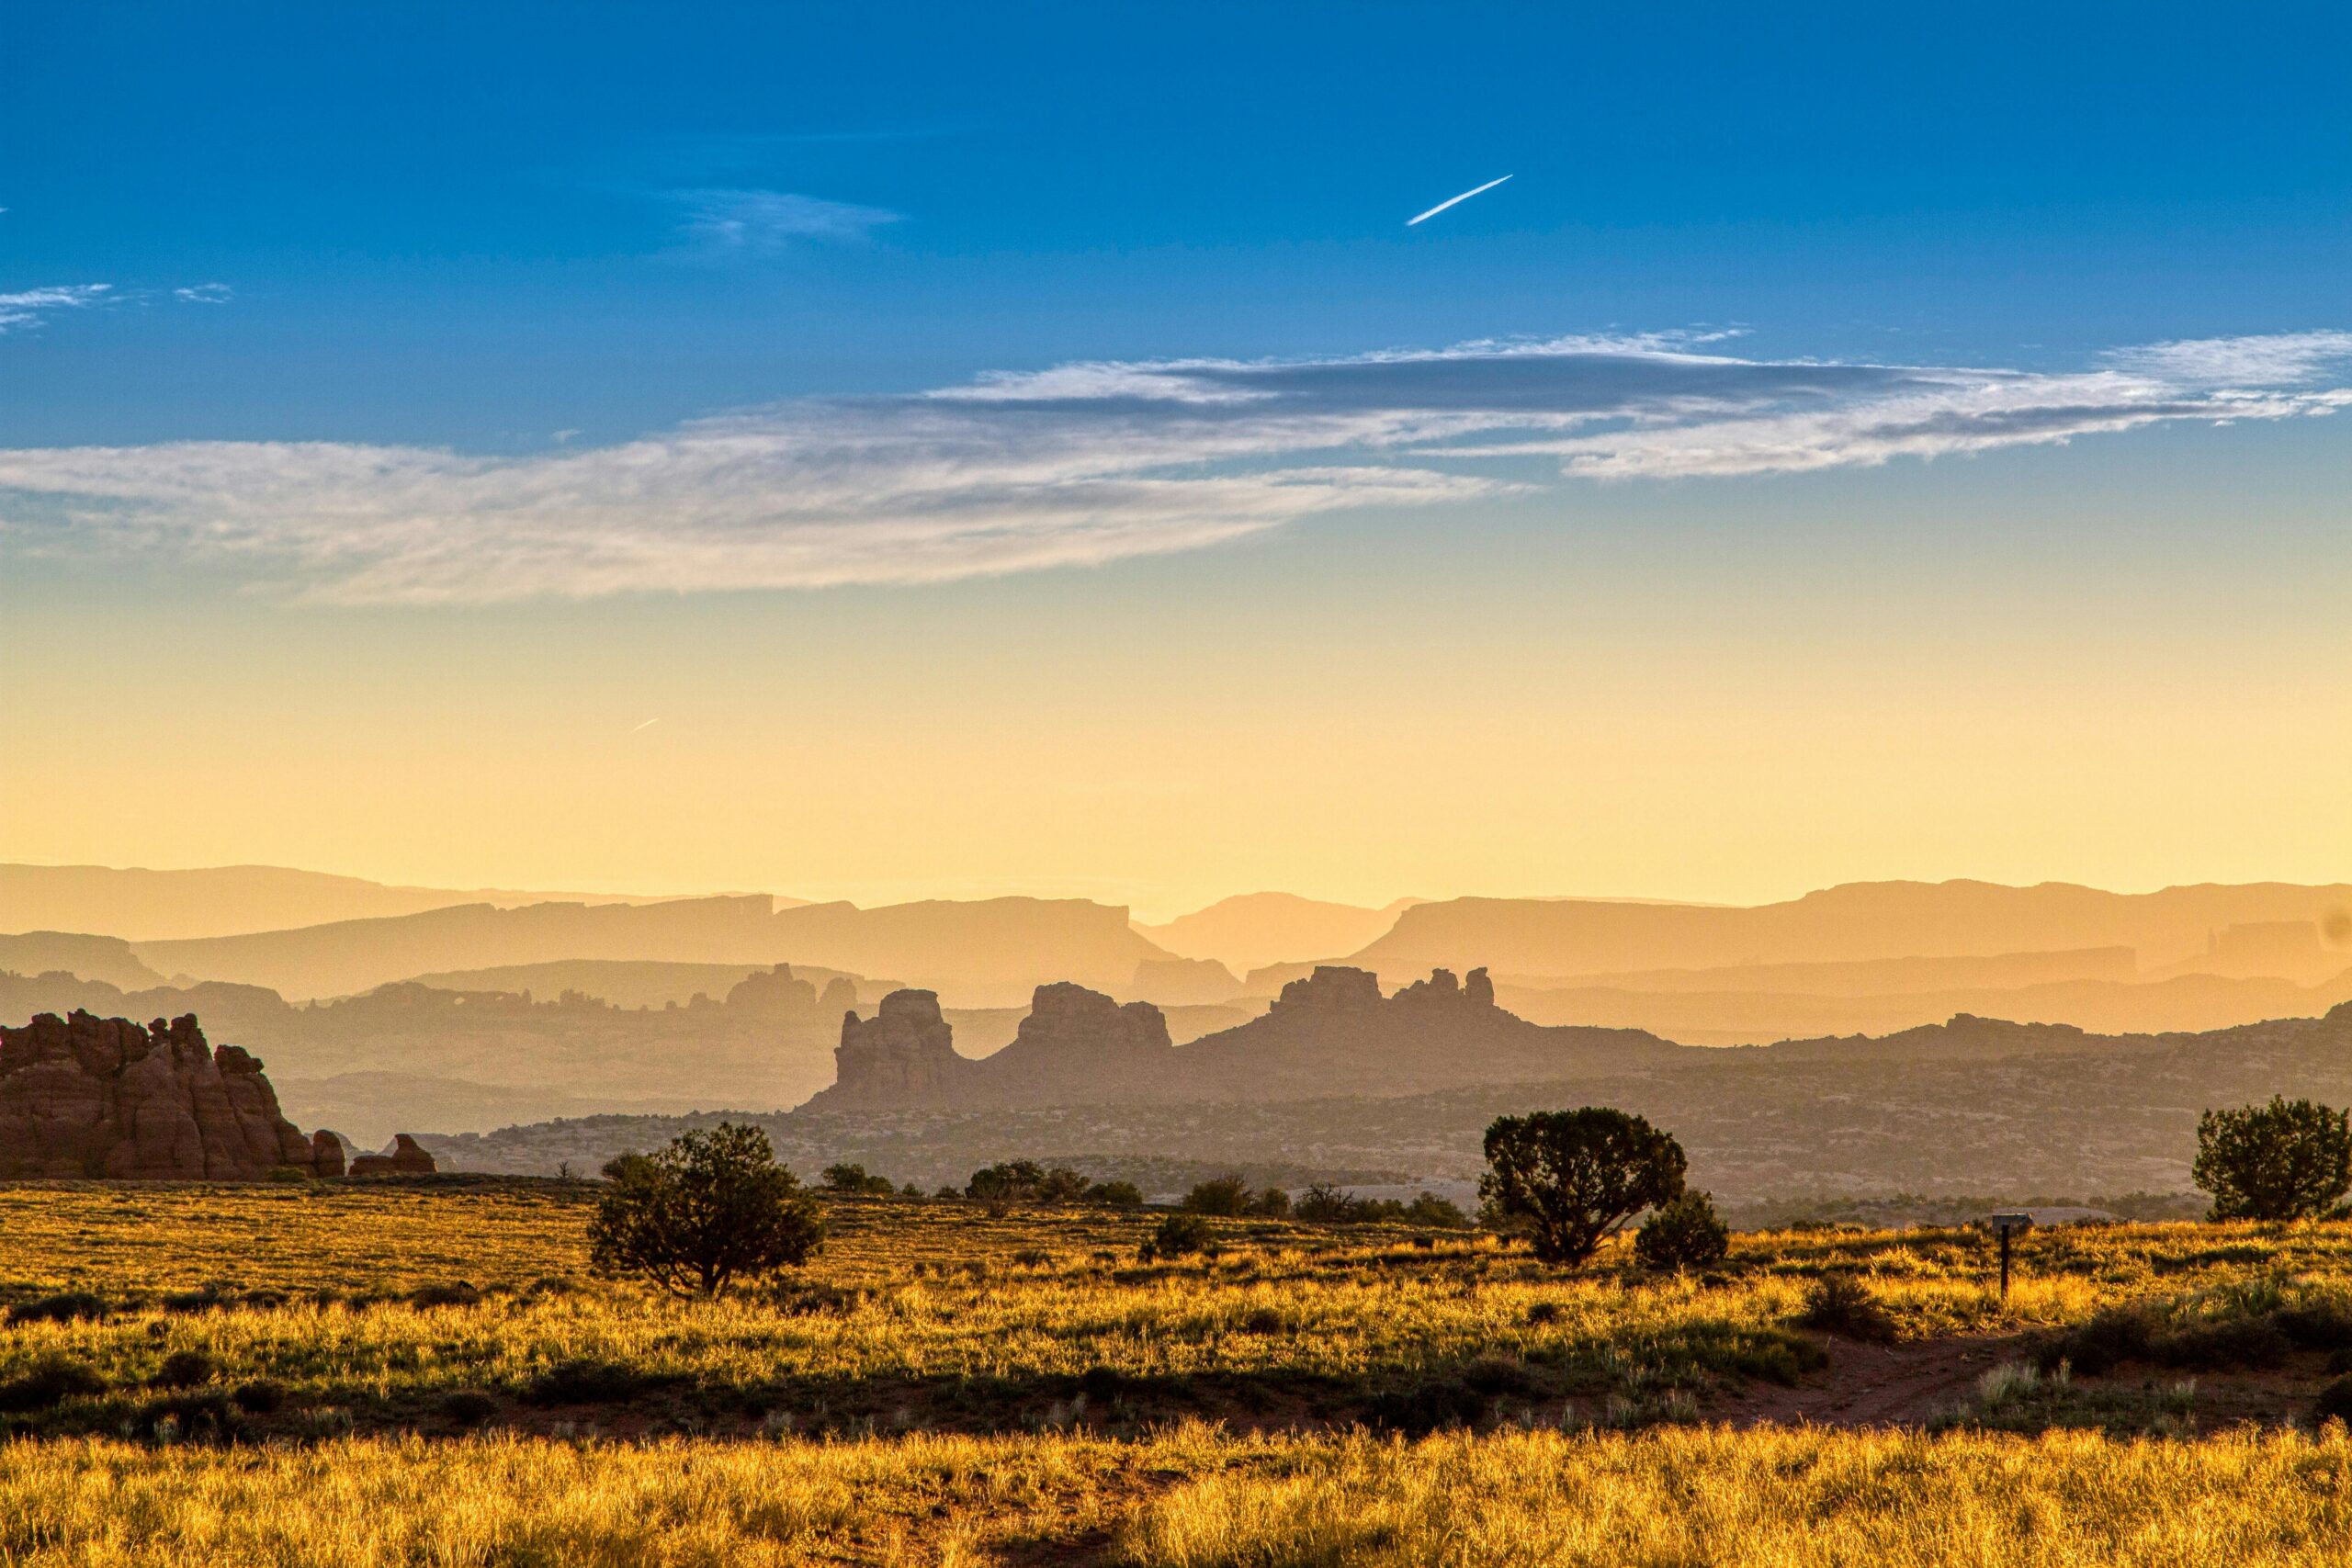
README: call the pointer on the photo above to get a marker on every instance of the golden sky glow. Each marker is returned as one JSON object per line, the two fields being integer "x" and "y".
{"x": 1706, "y": 693}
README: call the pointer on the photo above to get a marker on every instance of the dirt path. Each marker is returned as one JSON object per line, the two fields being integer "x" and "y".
{"x": 1874, "y": 1385}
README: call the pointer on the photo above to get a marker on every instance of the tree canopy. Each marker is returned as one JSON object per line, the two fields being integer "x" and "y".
{"x": 2287, "y": 1160}
{"x": 711, "y": 1210}
{"x": 1573, "y": 1178}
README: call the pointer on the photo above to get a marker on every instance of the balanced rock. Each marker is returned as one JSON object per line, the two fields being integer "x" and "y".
{"x": 82, "y": 1096}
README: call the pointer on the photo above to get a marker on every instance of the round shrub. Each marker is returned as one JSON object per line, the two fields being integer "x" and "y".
{"x": 183, "y": 1368}
{"x": 468, "y": 1407}
{"x": 260, "y": 1396}
{"x": 1843, "y": 1304}
{"x": 1685, "y": 1234}
{"x": 1180, "y": 1236}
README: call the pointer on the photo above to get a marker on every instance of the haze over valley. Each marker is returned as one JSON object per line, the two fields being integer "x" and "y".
{"x": 532, "y": 1034}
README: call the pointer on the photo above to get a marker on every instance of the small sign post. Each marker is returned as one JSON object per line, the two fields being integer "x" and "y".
{"x": 2006, "y": 1226}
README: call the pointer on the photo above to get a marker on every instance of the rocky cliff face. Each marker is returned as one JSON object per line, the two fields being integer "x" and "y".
{"x": 82, "y": 1096}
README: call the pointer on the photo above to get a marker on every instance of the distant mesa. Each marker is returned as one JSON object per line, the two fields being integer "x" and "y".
{"x": 1251, "y": 930}
{"x": 985, "y": 952}
{"x": 1183, "y": 982}
{"x": 156, "y": 906}
{"x": 88, "y": 1096}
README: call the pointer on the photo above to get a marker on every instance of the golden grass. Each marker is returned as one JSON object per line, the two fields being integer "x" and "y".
{"x": 1786, "y": 1499}
{"x": 1194, "y": 1498}
{"x": 939, "y": 1315}
{"x": 913, "y": 1305}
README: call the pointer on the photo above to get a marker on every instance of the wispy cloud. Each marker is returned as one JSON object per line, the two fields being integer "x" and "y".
{"x": 1089, "y": 463}
{"x": 205, "y": 294}
{"x": 744, "y": 223}
{"x": 31, "y": 305}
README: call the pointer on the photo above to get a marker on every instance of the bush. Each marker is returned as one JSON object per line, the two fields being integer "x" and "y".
{"x": 1115, "y": 1195}
{"x": 1685, "y": 1234}
{"x": 1329, "y": 1206}
{"x": 1006, "y": 1182}
{"x": 1573, "y": 1178}
{"x": 455, "y": 1293}
{"x": 1226, "y": 1197}
{"x": 1439, "y": 1213}
{"x": 1332, "y": 1206}
{"x": 260, "y": 1396}
{"x": 584, "y": 1380}
{"x": 183, "y": 1368}
{"x": 66, "y": 1306}
{"x": 2334, "y": 1403}
{"x": 853, "y": 1180}
{"x": 47, "y": 1383}
{"x": 1843, "y": 1304}
{"x": 2287, "y": 1160}
{"x": 1426, "y": 1407}
{"x": 712, "y": 1208}
{"x": 205, "y": 1298}
{"x": 1180, "y": 1236}
{"x": 468, "y": 1407}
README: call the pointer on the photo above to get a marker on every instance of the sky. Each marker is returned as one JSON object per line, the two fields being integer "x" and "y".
{"x": 886, "y": 452}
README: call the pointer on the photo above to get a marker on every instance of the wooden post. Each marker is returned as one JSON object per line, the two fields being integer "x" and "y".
{"x": 2006, "y": 1226}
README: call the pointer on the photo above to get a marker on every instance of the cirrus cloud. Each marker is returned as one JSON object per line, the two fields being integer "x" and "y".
{"x": 1089, "y": 463}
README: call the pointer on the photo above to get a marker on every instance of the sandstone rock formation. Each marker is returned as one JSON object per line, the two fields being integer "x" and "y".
{"x": 904, "y": 1056}
{"x": 775, "y": 991}
{"x": 1077, "y": 1046}
{"x": 84, "y": 1096}
{"x": 407, "y": 1157}
{"x": 1333, "y": 987}
{"x": 1331, "y": 1032}
{"x": 1442, "y": 987}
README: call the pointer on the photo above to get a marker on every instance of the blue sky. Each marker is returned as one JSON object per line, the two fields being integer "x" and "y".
{"x": 476, "y": 226}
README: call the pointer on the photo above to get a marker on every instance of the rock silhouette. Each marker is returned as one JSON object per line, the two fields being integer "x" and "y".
{"x": 1329, "y": 1032}
{"x": 88, "y": 1096}
{"x": 408, "y": 1158}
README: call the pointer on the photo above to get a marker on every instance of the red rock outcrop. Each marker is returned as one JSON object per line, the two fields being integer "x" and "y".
{"x": 84, "y": 1096}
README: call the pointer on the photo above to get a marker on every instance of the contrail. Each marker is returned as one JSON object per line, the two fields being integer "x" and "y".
{"x": 647, "y": 725}
{"x": 1465, "y": 196}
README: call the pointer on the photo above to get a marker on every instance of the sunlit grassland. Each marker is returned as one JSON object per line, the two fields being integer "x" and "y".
{"x": 1193, "y": 1497}
{"x": 953, "y": 1317}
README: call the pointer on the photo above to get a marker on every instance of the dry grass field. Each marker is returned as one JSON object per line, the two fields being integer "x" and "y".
{"x": 427, "y": 1373}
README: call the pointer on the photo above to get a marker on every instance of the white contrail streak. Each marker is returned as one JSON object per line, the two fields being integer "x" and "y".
{"x": 647, "y": 725}
{"x": 1465, "y": 196}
